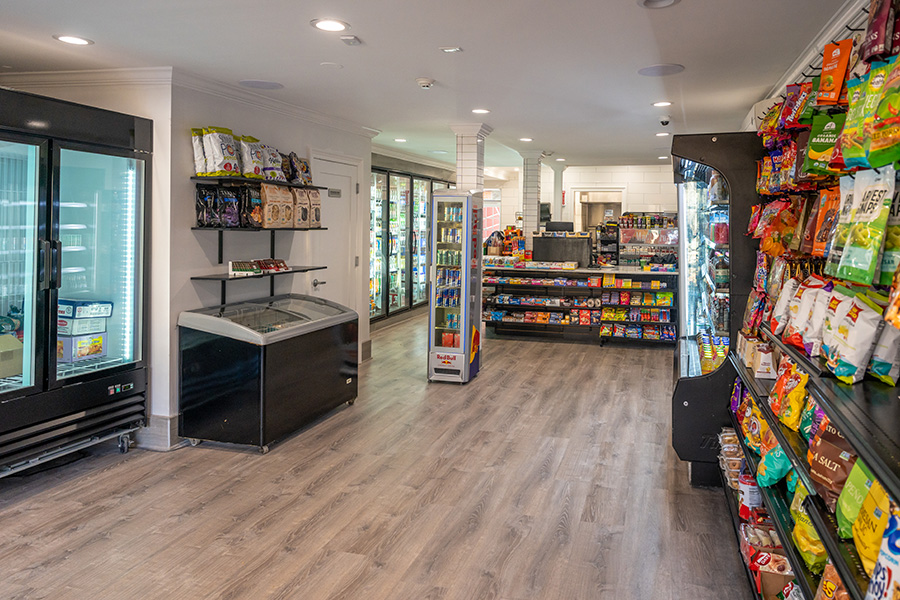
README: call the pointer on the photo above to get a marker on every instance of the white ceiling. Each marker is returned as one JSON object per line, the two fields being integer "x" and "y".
{"x": 563, "y": 72}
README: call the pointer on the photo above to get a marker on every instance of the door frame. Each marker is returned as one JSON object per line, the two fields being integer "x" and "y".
{"x": 576, "y": 190}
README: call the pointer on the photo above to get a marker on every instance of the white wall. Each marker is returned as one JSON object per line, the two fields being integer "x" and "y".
{"x": 176, "y": 102}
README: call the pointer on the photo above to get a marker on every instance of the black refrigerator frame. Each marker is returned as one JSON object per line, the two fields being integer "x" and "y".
{"x": 52, "y": 418}
{"x": 700, "y": 404}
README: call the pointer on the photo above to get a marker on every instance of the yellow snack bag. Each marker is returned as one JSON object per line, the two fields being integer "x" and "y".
{"x": 792, "y": 405}
{"x": 870, "y": 525}
{"x": 808, "y": 543}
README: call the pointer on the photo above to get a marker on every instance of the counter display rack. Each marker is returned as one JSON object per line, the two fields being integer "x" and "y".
{"x": 579, "y": 303}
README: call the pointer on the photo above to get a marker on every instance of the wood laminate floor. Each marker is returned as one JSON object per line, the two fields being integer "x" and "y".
{"x": 550, "y": 476}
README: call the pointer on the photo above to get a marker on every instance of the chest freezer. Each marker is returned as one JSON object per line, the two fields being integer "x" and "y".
{"x": 255, "y": 372}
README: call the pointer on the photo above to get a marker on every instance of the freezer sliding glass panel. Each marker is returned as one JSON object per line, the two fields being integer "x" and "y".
{"x": 448, "y": 300}
{"x": 398, "y": 275}
{"x": 98, "y": 308}
{"x": 420, "y": 240}
{"x": 18, "y": 261}
{"x": 376, "y": 245}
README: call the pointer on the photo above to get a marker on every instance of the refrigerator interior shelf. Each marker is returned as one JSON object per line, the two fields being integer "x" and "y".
{"x": 7, "y": 384}
{"x": 64, "y": 370}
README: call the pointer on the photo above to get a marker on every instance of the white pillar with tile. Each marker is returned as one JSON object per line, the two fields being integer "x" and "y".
{"x": 531, "y": 194}
{"x": 556, "y": 209}
{"x": 470, "y": 155}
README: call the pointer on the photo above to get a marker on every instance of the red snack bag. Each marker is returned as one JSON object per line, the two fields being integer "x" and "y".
{"x": 880, "y": 32}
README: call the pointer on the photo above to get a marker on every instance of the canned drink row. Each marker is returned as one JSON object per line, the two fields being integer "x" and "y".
{"x": 449, "y": 277}
{"x": 447, "y": 298}
{"x": 449, "y": 257}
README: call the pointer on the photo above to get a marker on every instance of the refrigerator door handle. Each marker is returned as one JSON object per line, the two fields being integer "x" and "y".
{"x": 44, "y": 265}
{"x": 55, "y": 251}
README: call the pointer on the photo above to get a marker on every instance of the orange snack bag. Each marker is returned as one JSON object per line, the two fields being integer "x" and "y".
{"x": 834, "y": 69}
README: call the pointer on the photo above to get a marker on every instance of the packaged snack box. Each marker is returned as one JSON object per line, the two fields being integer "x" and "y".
{"x": 275, "y": 200}
{"x": 80, "y": 347}
{"x": 84, "y": 309}
{"x": 70, "y": 326}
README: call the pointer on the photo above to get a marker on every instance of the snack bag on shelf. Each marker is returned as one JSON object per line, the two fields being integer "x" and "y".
{"x": 850, "y": 501}
{"x": 870, "y": 525}
{"x": 885, "y": 584}
{"x": 892, "y": 312}
{"x": 300, "y": 169}
{"x": 890, "y": 258}
{"x": 839, "y": 302}
{"x": 854, "y": 340}
{"x": 801, "y": 308}
{"x": 830, "y": 586}
{"x": 272, "y": 169}
{"x": 251, "y": 208}
{"x": 861, "y": 254}
{"x": 781, "y": 313}
{"x": 874, "y": 87}
{"x": 767, "y": 216}
{"x": 851, "y": 140}
{"x": 829, "y": 212}
{"x": 791, "y": 591}
{"x": 804, "y": 534}
{"x": 884, "y": 135}
{"x": 834, "y": 70}
{"x": 229, "y": 207}
{"x": 252, "y": 163}
{"x": 879, "y": 32}
{"x": 795, "y": 399}
{"x": 773, "y": 467}
{"x": 812, "y": 333}
{"x": 199, "y": 155}
{"x": 761, "y": 274}
{"x": 783, "y": 384}
{"x": 822, "y": 140}
{"x": 220, "y": 151}
{"x": 885, "y": 363}
{"x": 851, "y": 191}
{"x": 829, "y": 469}
{"x": 206, "y": 206}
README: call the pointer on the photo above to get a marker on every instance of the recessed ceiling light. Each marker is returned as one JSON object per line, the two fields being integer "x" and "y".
{"x": 260, "y": 84}
{"x": 329, "y": 24}
{"x": 526, "y": 140}
{"x": 401, "y": 140}
{"x": 480, "y": 111}
{"x": 438, "y": 151}
{"x": 74, "y": 40}
{"x": 560, "y": 160}
{"x": 662, "y": 104}
{"x": 662, "y": 134}
{"x": 450, "y": 49}
{"x": 331, "y": 65}
{"x": 661, "y": 70}
{"x": 657, "y": 3}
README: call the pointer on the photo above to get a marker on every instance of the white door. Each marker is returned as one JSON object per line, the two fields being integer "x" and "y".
{"x": 336, "y": 248}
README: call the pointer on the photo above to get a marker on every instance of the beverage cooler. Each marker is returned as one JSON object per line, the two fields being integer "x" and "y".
{"x": 716, "y": 180}
{"x": 242, "y": 366}
{"x": 74, "y": 195}
{"x": 454, "y": 321}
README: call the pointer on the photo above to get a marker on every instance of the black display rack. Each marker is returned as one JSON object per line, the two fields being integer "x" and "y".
{"x": 242, "y": 181}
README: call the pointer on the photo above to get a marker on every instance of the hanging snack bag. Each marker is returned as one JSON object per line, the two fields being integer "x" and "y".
{"x": 851, "y": 189}
{"x": 822, "y": 139}
{"x": 854, "y": 340}
{"x": 229, "y": 207}
{"x": 805, "y": 97}
{"x": 807, "y": 540}
{"x": 885, "y": 584}
{"x": 777, "y": 275}
{"x": 851, "y": 141}
{"x": 199, "y": 154}
{"x": 220, "y": 151}
{"x": 870, "y": 524}
{"x": 767, "y": 216}
{"x": 829, "y": 210}
{"x": 791, "y": 95}
{"x": 801, "y": 309}
{"x": 880, "y": 31}
{"x": 839, "y": 302}
{"x": 885, "y": 363}
{"x": 830, "y": 586}
{"x": 834, "y": 70}
{"x": 850, "y": 501}
{"x": 890, "y": 258}
{"x": 884, "y": 130}
{"x": 860, "y": 255}
{"x": 874, "y": 88}
{"x": 781, "y": 313}
{"x": 300, "y": 168}
{"x": 272, "y": 164}
{"x": 207, "y": 215}
{"x": 829, "y": 469}
{"x": 252, "y": 162}
{"x": 251, "y": 208}
{"x": 809, "y": 231}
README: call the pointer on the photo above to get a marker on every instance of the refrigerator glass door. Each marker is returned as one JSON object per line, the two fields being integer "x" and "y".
{"x": 399, "y": 244}
{"x": 377, "y": 245}
{"x": 18, "y": 264}
{"x": 448, "y": 299}
{"x": 100, "y": 203}
{"x": 703, "y": 211}
{"x": 421, "y": 197}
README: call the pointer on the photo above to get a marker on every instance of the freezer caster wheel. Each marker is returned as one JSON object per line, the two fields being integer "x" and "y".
{"x": 263, "y": 449}
{"x": 351, "y": 402}
{"x": 194, "y": 441}
{"x": 124, "y": 443}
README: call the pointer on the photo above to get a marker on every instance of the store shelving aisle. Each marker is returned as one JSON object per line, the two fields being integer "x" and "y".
{"x": 549, "y": 476}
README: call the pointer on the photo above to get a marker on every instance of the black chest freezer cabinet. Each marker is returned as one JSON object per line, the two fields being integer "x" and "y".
{"x": 254, "y": 372}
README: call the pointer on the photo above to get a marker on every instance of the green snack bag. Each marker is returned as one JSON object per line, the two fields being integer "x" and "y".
{"x": 851, "y": 138}
{"x": 808, "y": 418}
{"x": 834, "y": 248}
{"x": 809, "y": 108}
{"x": 890, "y": 259}
{"x": 861, "y": 253}
{"x": 850, "y": 501}
{"x": 874, "y": 85}
{"x": 822, "y": 139}
{"x": 884, "y": 130}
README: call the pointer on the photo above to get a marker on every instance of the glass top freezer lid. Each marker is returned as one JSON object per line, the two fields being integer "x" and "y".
{"x": 307, "y": 307}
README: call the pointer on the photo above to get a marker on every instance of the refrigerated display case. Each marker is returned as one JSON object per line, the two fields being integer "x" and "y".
{"x": 74, "y": 195}
{"x": 398, "y": 249}
{"x": 454, "y": 321}
{"x": 242, "y": 366}
{"x": 377, "y": 260}
{"x": 716, "y": 180}
{"x": 419, "y": 237}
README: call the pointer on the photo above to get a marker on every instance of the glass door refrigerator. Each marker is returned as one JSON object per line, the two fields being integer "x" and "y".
{"x": 419, "y": 237}
{"x": 716, "y": 180}
{"x": 398, "y": 248}
{"x": 377, "y": 258}
{"x": 454, "y": 321}
{"x": 74, "y": 189}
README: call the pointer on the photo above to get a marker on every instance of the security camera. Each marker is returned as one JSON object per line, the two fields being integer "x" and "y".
{"x": 665, "y": 120}
{"x": 425, "y": 83}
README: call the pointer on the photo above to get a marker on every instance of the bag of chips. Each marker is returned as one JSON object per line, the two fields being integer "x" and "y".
{"x": 892, "y": 312}
{"x": 795, "y": 400}
{"x": 829, "y": 469}
{"x": 272, "y": 165}
{"x": 773, "y": 467}
{"x": 851, "y": 141}
{"x": 812, "y": 333}
{"x": 851, "y": 498}
{"x": 806, "y": 539}
{"x": 880, "y": 31}
{"x": 834, "y": 70}
{"x": 301, "y": 171}
{"x": 874, "y": 88}
{"x": 850, "y": 190}
{"x": 885, "y": 363}
{"x": 781, "y": 313}
{"x": 199, "y": 155}
{"x": 220, "y": 151}
{"x": 767, "y": 216}
{"x": 229, "y": 208}
{"x": 822, "y": 139}
{"x": 801, "y": 309}
{"x": 252, "y": 163}
{"x": 884, "y": 137}
{"x": 286, "y": 167}
{"x": 830, "y": 586}
{"x": 860, "y": 256}
{"x": 207, "y": 212}
{"x": 885, "y": 584}
{"x": 890, "y": 258}
{"x": 854, "y": 340}
{"x": 870, "y": 524}
{"x": 787, "y": 380}
{"x": 839, "y": 302}
{"x": 810, "y": 419}
{"x": 829, "y": 209}
{"x": 251, "y": 208}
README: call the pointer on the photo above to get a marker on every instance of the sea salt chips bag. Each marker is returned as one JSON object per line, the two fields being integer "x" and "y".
{"x": 221, "y": 153}
{"x": 885, "y": 584}
{"x": 252, "y": 159}
{"x": 833, "y": 459}
{"x": 854, "y": 340}
{"x": 860, "y": 256}
{"x": 199, "y": 154}
{"x": 851, "y": 189}
{"x": 851, "y": 498}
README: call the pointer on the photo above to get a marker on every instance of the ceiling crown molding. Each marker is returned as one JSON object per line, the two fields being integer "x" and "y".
{"x": 410, "y": 157}
{"x": 93, "y": 77}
